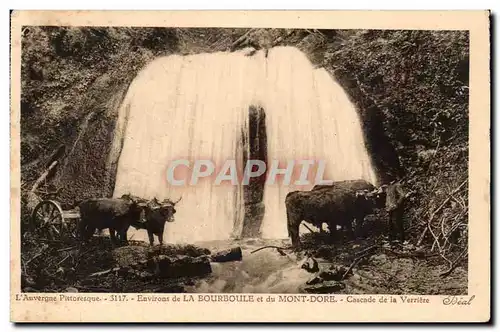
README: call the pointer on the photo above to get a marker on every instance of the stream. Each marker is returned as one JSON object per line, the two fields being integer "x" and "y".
{"x": 265, "y": 271}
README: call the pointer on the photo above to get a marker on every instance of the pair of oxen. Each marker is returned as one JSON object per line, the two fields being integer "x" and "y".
{"x": 343, "y": 204}
{"x": 118, "y": 214}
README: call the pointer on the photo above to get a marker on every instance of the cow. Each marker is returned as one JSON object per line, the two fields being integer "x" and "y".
{"x": 348, "y": 185}
{"x": 395, "y": 205}
{"x": 365, "y": 191}
{"x": 333, "y": 205}
{"x": 137, "y": 224}
{"x": 156, "y": 214}
{"x": 115, "y": 214}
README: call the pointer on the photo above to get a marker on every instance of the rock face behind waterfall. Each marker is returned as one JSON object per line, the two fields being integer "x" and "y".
{"x": 87, "y": 172}
{"x": 253, "y": 194}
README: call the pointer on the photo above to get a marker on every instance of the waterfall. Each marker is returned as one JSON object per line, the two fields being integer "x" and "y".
{"x": 197, "y": 107}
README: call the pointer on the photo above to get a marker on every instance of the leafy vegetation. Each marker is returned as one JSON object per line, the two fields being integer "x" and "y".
{"x": 419, "y": 81}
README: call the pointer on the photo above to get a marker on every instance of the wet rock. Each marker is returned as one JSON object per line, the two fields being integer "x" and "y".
{"x": 182, "y": 266}
{"x": 329, "y": 275}
{"x": 228, "y": 255}
{"x": 326, "y": 287}
{"x": 128, "y": 255}
{"x": 173, "y": 250}
{"x": 336, "y": 272}
{"x": 324, "y": 252}
{"x": 314, "y": 280}
{"x": 311, "y": 265}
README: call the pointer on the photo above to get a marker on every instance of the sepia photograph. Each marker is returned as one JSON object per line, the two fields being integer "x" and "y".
{"x": 228, "y": 162}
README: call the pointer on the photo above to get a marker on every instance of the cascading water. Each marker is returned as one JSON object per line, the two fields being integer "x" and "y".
{"x": 196, "y": 107}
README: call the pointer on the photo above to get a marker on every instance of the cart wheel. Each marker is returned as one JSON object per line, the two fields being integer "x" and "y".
{"x": 48, "y": 218}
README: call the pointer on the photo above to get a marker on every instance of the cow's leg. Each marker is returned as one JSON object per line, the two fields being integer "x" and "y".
{"x": 400, "y": 223}
{"x": 83, "y": 233}
{"x": 89, "y": 231}
{"x": 391, "y": 225}
{"x": 359, "y": 223}
{"x": 333, "y": 231}
{"x": 160, "y": 235}
{"x": 293, "y": 220}
{"x": 83, "y": 229}
{"x": 151, "y": 237}
{"x": 112, "y": 236}
{"x": 350, "y": 230}
{"x": 123, "y": 235}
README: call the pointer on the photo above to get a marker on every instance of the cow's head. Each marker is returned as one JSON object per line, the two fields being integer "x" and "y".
{"x": 161, "y": 211}
{"x": 371, "y": 199}
{"x": 379, "y": 196}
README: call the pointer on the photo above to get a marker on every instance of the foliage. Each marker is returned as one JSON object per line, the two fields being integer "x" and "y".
{"x": 419, "y": 80}
{"x": 63, "y": 72}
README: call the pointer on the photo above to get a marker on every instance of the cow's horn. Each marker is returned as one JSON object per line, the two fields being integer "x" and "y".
{"x": 177, "y": 201}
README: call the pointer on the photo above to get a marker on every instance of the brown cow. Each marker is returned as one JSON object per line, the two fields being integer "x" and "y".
{"x": 353, "y": 185}
{"x": 333, "y": 206}
{"x": 395, "y": 205}
{"x": 361, "y": 187}
{"x": 115, "y": 214}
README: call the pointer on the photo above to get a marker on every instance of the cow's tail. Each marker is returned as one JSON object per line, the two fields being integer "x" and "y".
{"x": 288, "y": 215}
{"x": 288, "y": 223}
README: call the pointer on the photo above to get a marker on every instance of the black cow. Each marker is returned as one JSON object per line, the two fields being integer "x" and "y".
{"x": 395, "y": 205}
{"x": 348, "y": 185}
{"x": 365, "y": 190}
{"x": 331, "y": 205}
{"x": 115, "y": 214}
{"x": 156, "y": 214}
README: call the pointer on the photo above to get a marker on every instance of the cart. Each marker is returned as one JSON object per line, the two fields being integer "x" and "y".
{"x": 55, "y": 223}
